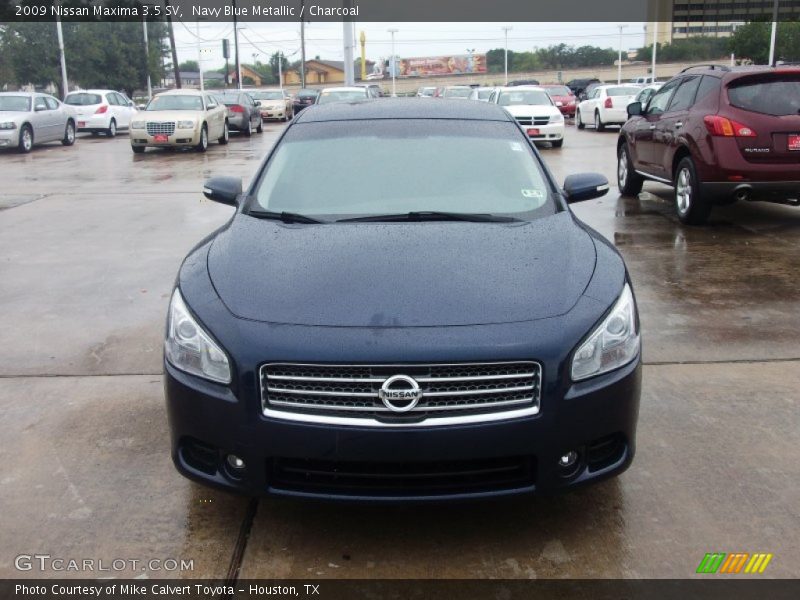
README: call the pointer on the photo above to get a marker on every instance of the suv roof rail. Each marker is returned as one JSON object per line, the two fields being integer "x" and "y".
{"x": 709, "y": 66}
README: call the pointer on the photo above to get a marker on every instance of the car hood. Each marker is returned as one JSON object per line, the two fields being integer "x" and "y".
{"x": 401, "y": 274}
{"x": 526, "y": 110}
{"x": 171, "y": 115}
{"x": 13, "y": 115}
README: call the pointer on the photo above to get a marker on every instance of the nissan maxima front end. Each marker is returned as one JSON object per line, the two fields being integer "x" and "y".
{"x": 403, "y": 308}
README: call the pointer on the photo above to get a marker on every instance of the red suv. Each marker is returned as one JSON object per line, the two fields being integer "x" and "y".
{"x": 717, "y": 135}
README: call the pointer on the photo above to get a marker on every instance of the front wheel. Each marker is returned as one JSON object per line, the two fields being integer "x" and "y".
{"x": 578, "y": 121}
{"x": 202, "y": 145}
{"x": 598, "y": 122}
{"x": 692, "y": 209}
{"x": 112, "y": 129}
{"x": 260, "y": 126}
{"x": 25, "y": 139}
{"x": 225, "y": 134}
{"x": 629, "y": 181}
{"x": 69, "y": 134}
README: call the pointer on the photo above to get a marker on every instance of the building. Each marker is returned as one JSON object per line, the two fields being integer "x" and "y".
{"x": 250, "y": 73}
{"x": 317, "y": 72}
{"x": 681, "y": 19}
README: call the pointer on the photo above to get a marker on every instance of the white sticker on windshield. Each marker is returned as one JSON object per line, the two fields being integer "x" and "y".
{"x": 529, "y": 193}
{"x": 516, "y": 147}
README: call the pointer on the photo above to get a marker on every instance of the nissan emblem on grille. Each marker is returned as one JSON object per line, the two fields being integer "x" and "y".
{"x": 400, "y": 393}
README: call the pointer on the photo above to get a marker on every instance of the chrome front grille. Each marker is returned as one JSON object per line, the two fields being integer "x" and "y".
{"x": 160, "y": 127}
{"x": 449, "y": 393}
{"x": 533, "y": 120}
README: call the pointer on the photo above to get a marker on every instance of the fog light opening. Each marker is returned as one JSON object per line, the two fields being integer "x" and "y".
{"x": 236, "y": 464}
{"x": 569, "y": 463}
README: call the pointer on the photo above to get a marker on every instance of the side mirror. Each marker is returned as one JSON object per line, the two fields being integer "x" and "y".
{"x": 634, "y": 109}
{"x": 258, "y": 102}
{"x": 225, "y": 190}
{"x": 585, "y": 186}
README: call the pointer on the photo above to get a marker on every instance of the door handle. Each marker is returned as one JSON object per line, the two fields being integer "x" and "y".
{"x": 679, "y": 124}
{"x": 652, "y": 127}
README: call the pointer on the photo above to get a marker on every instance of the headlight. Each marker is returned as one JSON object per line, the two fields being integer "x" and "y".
{"x": 191, "y": 349}
{"x": 8, "y": 125}
{"x": 137, "y": 124}
{"x": 557, "y": 118}
{"x": 613, "y": 344}
{"x": 185, "y": 124}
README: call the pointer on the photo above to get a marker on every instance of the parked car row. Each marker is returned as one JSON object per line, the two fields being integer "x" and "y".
{"x": 28, "y": 118}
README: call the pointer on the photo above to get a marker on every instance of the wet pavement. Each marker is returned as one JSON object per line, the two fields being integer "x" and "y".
{"x": 90, "y": 241}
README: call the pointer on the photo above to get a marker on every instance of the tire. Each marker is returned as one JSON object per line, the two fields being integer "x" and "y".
{"x": 629, "y": 181}
{"x": 202, "y": 145}
{"x": 69, "y": 134}
{"x": 692, "y": 209}
{"x": 260, "y": 126}
{"x": 578, "y": 121}
{"x": 138, "y": 149}
{"x": 598, "y": 122}
{"x": 112, "y": 129}
{"x": 558, "y": 143}
{"x": 247, "y": 131}
{"x": 25, "y": 144}
{"x": 225, "y": 135}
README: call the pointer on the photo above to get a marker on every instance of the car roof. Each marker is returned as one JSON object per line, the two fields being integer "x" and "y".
{"x": 343, "y": 88}
{"x": 29, "y": 94}
{"x": 95, "y": 92}
{"x": 516, "y": 88}
{"x": 404, "y": 108}
{"x": 265, "y": 90}
{"x": 182, "y": 92}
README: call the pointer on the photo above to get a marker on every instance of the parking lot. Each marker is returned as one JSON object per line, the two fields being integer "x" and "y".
{"x": 91, "y": 237}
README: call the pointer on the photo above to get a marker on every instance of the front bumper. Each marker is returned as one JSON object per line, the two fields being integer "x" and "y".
{"x": 9, "y": 138}
{"x": 181, "y": 137}
{"x": 596, "y": 418}
{"x": 276, "y": 113}
{"x": 545, "y": 133}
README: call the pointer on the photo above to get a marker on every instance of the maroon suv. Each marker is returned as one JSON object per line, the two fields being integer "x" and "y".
{"x": 717, "y": 135}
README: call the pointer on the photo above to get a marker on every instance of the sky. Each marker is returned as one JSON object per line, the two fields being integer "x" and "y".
{"x": 411, "y": 40}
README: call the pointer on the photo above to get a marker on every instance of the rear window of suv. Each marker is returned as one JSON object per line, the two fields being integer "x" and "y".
{"x": 774, "y": 95}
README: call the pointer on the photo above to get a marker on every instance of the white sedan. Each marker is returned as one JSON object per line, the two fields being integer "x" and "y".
{"x": 606, "y": 105}
{"x": 534, "y": 110}
{"x": 101, "y": 111}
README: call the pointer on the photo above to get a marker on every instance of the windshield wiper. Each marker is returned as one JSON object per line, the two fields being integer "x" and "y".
{"x": 286, "y": 217}
{"x": 433, "y": 215}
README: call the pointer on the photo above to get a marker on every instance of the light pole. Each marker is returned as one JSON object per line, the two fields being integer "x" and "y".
{"x": 199, "y": 56}
{"x": 64, "y": 82}
{"x": 655, "y": 49}
{"x": 393, "y": 64}
{"x": 147, "y": 60}
{"x": 280, "y": 70}
{"x": 773, "y": 34}
{"x": 506, "y": 29}
{"x": 619, "y": 59}
{"x": 236, "y": 29}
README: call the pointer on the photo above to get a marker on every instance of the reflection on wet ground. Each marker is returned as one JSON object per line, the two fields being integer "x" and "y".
{"x": 92, "y": 237}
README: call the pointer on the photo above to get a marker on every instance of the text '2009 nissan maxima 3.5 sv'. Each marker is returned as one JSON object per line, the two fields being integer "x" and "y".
{"x": 403, "y": 307}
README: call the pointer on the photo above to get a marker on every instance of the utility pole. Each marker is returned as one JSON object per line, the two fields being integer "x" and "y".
{"x": 147, "y": 60}
{"x": 302, "y": 46}
{"x": 655, "y": 49}
{"x": 363, "y": 40}
{"x": 619, "y": 60}
{"x": 175, "y": 69}
{"x": 393, "y": 64}
{"x": 199, "y": 56}
{"x": 64, "y": 82}
{"x": 774, "y": 34}
{"x": 280, "y": 70}
{"x": 506, "y": 29}
{"x": 236, "y": 48}
{"x": 347, "y": 40}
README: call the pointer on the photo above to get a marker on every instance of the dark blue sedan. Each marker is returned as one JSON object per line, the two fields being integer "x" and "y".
{"x": 403, "y": 308}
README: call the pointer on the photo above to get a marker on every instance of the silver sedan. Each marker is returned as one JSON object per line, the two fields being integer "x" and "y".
{"x": 28, "y": 118}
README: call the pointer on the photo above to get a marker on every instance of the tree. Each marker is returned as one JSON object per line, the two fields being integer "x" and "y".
{"x": 751, "y": 42}
{"x": 687, "y": 50}
{"x": 31, "y": 52}
{"x": 273, "y": 63}
{"x": 189, "y": 65}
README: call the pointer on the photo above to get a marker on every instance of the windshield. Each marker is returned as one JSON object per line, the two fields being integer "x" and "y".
{"x": 535, "y": 97}
{"x": 230, "y": 98}
{"x": 484, "y": 94}
{"x": 175, "y": 102}
{"x": 458, "y": 92}
{"x": 623, "y": 91}
{"x": 427, "y": 91}
{"x": 15, "y": 103}
{"x": 267, "y": 95}
{"x": 332, "y": 96}
{"x": 778, "y": 97}
{"x": 82, "y": 99}
{"x": 387, "y": 166}
{"x": 559, "y": 90}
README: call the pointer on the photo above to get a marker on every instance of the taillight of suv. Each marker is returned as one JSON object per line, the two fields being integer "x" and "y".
{"x": 721, "y": 126}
